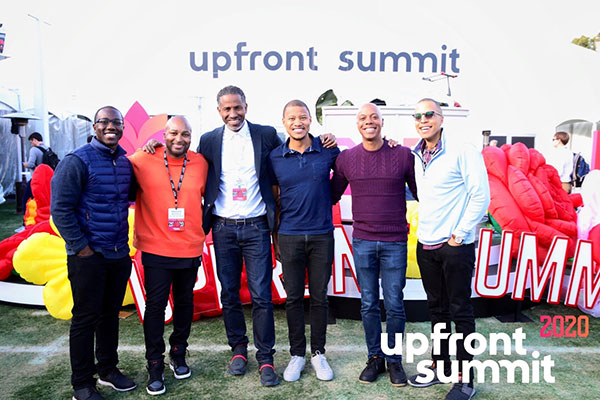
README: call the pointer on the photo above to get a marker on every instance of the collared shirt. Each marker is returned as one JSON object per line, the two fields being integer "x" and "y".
{"x": 429, "y": 153}
{"x": 427, "y": 156}
{"x": 238, "y": 172}
{"x": 303, "y": 180}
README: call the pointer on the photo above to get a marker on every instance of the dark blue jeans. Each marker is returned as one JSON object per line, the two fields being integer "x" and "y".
{"x": 98, "y": 285}
{"x": 157, "y": 281}
{"x": 446, "y": 274}
{"x": 249, "y": 245}
{"x": 373, "y": 259}
{"x": 301, "y": 254}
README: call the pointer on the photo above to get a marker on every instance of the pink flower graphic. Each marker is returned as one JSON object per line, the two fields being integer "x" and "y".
{"x": 139, "y": 128}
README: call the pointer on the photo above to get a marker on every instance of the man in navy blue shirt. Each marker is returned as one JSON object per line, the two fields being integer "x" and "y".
{"x": 303, "y": 238}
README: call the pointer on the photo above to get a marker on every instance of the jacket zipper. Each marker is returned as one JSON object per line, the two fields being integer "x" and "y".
{"x": 117, "y": 188}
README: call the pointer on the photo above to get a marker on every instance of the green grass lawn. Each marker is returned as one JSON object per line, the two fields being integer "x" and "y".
{"x": 10, "y": 220}
{"x": 35, "y": 361}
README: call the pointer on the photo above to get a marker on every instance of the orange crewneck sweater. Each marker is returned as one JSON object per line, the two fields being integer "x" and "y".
{"x": 155, "y": 197}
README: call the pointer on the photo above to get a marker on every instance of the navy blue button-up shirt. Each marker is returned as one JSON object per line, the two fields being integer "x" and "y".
{"x": 303, "y": 180}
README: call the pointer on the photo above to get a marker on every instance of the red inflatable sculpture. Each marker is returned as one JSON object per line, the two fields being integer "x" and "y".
{"x": 527, "y": 196}
{"x": 36, "y": 218}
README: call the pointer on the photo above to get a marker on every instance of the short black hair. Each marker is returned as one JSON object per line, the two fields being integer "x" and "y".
{"x": 435, "y": 102}
{"x": 36, "y": 136}
{"x": 231, "y": 90}
{"x": 296, "y": 103}
{"x": 104, "y": 108}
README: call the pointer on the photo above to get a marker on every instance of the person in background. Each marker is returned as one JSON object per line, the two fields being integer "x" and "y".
{"x": 561, "y": 158}
{"x": 35, "y": 153}
{"x": 36, "y": 156}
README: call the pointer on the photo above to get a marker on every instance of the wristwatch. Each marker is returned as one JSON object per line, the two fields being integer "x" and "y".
{"x": 458, "y": 239}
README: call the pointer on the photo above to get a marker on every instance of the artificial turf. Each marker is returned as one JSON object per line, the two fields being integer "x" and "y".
{"x": 34, "y": 357}
{"x": 9, "y": 219}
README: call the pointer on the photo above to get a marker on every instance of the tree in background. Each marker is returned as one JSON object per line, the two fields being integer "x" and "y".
{"x": 587, "y": 42}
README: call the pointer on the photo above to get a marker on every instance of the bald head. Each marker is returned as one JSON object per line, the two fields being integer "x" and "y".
{"x": 178, "y": 136}
{"x": 178, "y": 120}
{"x": 369, "y": 123}
{"x": 369, "y": 108}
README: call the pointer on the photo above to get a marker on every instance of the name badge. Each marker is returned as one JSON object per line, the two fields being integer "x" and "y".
{"x": 240, "y": 194}
{"x": 176, "y": 219}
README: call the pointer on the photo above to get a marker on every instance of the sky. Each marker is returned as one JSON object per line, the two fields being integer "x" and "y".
{"x": 518, "y": 70}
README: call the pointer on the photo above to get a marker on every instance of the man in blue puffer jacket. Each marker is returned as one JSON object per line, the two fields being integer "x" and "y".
{"x": 90, "y": 199}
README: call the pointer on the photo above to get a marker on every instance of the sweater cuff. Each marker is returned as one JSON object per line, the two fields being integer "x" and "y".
{"x": 78, "y": 245}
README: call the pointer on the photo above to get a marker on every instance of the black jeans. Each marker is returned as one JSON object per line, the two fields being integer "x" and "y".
{"x": 301, "y": 254}
{"x": 98, "y": 285}
{"x": 157, "y": 281}
{"x": 446, "y": 274}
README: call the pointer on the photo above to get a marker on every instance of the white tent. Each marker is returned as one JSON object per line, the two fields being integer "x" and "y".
{"x": 517, "y": 71}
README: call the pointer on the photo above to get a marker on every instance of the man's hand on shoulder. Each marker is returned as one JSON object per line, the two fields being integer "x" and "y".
{"x": 151, "y": 145}
{"x": 391, "y": 142}
{"x": 328, "y": 140}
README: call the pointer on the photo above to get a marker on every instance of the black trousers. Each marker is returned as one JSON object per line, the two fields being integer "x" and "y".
{"x": 299, "y": 254}
{"x": 158, "y": 281}
{"x": 27, "y": 194}
{"x": 446, "y": 274}
{"x": 98, "y": 285}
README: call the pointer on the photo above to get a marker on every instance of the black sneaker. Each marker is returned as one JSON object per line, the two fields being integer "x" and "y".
{"x": 397, "y": 374}
{"x": 177, "y": 363}
{"x": 461, "y": 391}
{"x": 412, "y": 381}
{"x": 116, "y": 380}
{"x": 156, "y": 378}
{"x": 268, "y": 377}
{"x": 237, "y": 365}
{"x": 375, "y": 367}
{"x": 87, "y": 393}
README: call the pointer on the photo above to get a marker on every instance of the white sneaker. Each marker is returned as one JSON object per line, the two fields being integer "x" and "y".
{"x": 321, "y": 367}
{"x": 294, "y": 369}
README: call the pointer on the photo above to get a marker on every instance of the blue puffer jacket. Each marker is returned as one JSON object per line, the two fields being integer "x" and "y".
{"x": 92, "y": 185}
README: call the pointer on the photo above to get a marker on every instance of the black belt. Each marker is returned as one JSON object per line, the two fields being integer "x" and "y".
{"x": 240, "y": 221}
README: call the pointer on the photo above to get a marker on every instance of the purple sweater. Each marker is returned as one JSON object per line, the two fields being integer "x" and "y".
{"x": 377, "y": 180}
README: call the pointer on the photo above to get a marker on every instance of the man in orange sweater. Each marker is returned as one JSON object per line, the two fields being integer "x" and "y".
{"x": 168, "y": 231}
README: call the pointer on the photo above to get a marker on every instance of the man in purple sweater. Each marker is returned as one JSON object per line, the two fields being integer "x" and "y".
{"x": 377, "y": 174}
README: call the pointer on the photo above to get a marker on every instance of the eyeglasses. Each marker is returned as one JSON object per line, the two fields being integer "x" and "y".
{"x": 427, "y": 115}
{"x": 105, "y": 121}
